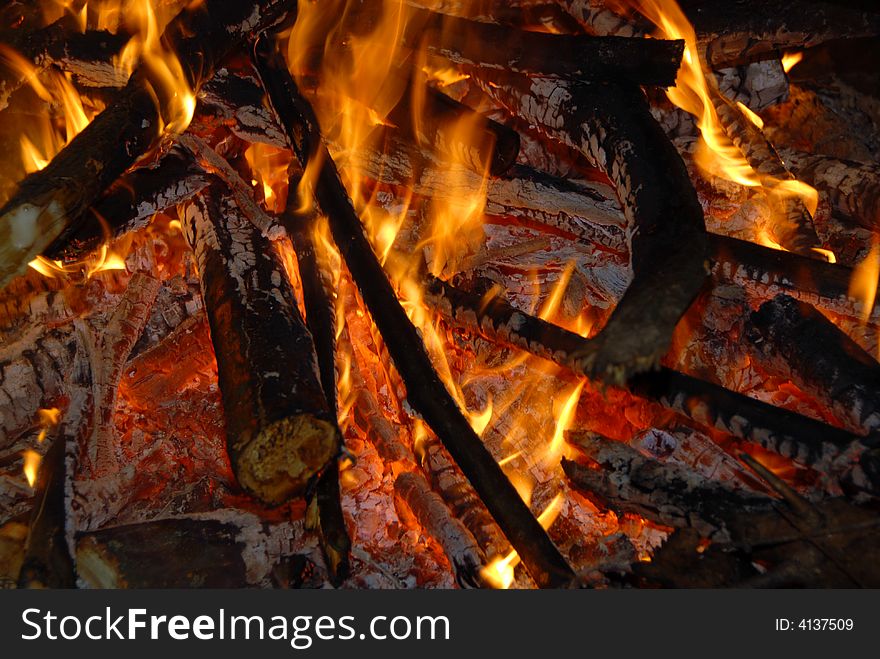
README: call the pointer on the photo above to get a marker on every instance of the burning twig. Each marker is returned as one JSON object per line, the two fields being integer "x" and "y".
{"x": 426, "y": 391}
{"x": 280, "y": 432}
{"x": 612, "y": 126}
{"x": 52, "y": 199}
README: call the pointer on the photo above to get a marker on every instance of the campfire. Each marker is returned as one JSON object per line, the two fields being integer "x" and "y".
{"x": 416, "y": 293}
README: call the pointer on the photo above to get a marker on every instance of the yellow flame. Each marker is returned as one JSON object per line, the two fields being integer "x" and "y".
{"x": 863, "y": 285}
{"x": 499, "y": 573}
{"x": 694, "y": 93}
{"x": 32, "y": 461}
{"x": 163, "y": 72}
{"x": 750, "y": 115}
{"x": 49, "y": 418}
{"x": 790, "y": 60}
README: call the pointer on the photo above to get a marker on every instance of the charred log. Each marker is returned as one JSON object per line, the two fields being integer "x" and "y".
{"x": 88, "y": 56}
{"x": 136, "y": 556}
{"x": 628, "y": 482}
{"x": 427, "y": 393}
{"x": 321, "y": 321}
{"x": 47, "y": 562}
{"x": 573, "y": 57}
{"x": 280, "y": 431}
{"x": 612, "y": 126}
{"x": 794, "y": 436}
{"x": 414, "y": 492}
{"x": 130, "y": 203}
{"x": 49, "y": 201}
{"x": 793, "y": 340}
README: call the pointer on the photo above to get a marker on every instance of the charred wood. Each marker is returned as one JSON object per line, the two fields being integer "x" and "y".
{"x": 321, "y": 321}
{"x": 414, "y": 492}
{"x": 612, "y": 126}
{"x": 280, "y": 431}
{"x": 573, "y": 57}
{"x": 88, "y": 56}
{"x": 854, "y": 188}
{"x": 47, "y": 562}
{"x": 793, "y": 340}
{"x": 628, "y": 482}
{"x": 427, "y": 393}
{"x": 137, "y": 556}
{"x": 773, "y": 271}
{"x": 49, "y": 201}
{"x": 809, "y": 442}
{"x": 130, "y": 203}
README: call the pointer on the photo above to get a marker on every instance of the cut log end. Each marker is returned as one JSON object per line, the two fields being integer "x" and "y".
{"x": 279, "y": 462}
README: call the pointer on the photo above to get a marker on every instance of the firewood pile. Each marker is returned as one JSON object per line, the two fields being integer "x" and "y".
{"x": 437, "y": 293}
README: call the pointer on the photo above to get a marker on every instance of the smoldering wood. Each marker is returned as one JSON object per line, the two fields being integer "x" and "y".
{"x": 627, "y": 481}
{"x": 47, "y": 561}
{"x": 737, "y": 32}
{"x": 853, "y": 187}
{"x": 137, "y": 556}
{"x": 460, "y": 496}
{"x": 793, "y": 340}
{"x": 771, "y": 271}
{"x": 130, "y": 203}
{"x": 414, "y": 492}
{"x": 321, "y": 321}
{"x": 280, "y": 431}
{"x": 574, "y": 57}
{"x": 804, "y": 440}
{"x": 757, "y": 85}
{"x": 109, "y": 346}
{"x": 88, "y": 56}
{"x": 451, "y": 531}
{"x": 426, "y": 392}
{"x": 612, "y": 126}
{"x": 793, "y": 229}
{"x": 52, "y": 199}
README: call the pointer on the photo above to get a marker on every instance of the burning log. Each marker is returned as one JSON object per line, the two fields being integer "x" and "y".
{"x": 326, "y": 506}
{"x": 854, "y": 188}
{"x": 794, "y": 230}
{"x": 52, "y": 199}
{"x": 427, "y": 393}
{"x": 733, "y": 32}
{"x": 736, "y": 31}
{"x": 628, "y": 482}
{"x": 452, "y": 531}
{"x": 573, "y": 57}
{"x": 415, "y": 494}
{"x": 131, "y": 202}
{"x": 773, "y": 271}
{"x": 280, "y": 432}
{"x": 88, "y": 56}
{"x": 793, "y": 340}
{"x": 809, "y": 442}
{"x": 612, "y": 126}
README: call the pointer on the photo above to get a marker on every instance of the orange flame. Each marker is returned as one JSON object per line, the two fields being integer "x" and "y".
{"x": 863, "y": 285}
{"x": 32, "y": 461}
